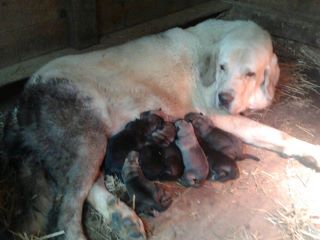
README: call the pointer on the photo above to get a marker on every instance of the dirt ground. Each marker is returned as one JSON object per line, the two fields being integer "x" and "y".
{"x": 275, "y": 198}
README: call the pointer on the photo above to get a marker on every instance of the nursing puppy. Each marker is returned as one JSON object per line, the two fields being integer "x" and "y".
{"x": 222, "y": 149}
{"x": 147, "y": 196}
{"x": 196, "y": 167}
{"x": 222, "y": 168}
{"x": 136, "y": 135}
{"x": 161, "y": 163}
{"x": 212, "y": 138}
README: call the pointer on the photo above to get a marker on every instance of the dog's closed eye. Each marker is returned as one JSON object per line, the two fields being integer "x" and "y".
{"x": 250, "y": 74}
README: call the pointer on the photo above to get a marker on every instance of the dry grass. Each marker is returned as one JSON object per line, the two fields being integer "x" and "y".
{"x": 294, "y": 83}
{"x": 296, "y": 223}
{"x": 24, "y": 236}
{"x": 244, "y": 234}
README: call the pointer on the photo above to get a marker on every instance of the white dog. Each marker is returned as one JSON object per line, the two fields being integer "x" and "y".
{"x": 59, "y": 127}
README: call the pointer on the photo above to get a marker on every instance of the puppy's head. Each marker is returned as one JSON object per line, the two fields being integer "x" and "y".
{"x": 147, "y": 124}
{"x": 242, "y": 72}
{"x": 202, "y": 125}
{"x": 190, "y": 179}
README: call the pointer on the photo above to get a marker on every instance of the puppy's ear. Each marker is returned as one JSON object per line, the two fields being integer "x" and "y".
{"x": 208, "y": 70}
{"x": 271, "y": 77}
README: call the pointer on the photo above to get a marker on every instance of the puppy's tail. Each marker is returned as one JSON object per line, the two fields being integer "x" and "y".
{"x": 248, "y": 156}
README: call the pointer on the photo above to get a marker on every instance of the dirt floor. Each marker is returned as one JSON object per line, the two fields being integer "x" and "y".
{"x": 275, "y": 198}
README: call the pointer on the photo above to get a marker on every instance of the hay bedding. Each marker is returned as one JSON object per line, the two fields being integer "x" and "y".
{"x": 294, "y": 88}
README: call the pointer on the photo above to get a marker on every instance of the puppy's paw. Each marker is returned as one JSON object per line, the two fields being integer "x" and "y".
{"x": 164, "y": 198}
{"x": 202, "y": 124}
{"x": 160, "y": 113}
{"x": 190, "y": 117}
{"x": 125, "y": 222}
{"x": 164, "y": 136}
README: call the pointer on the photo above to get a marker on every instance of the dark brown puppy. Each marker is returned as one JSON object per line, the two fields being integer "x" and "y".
{"x": 222, "y": 167}
{"x": 196, "y": 167}
{"x": 150, "y": 129}
{"x": 161, "y": 163}
{"x": 148, "y": 197}
{"x": 222, "y": 148}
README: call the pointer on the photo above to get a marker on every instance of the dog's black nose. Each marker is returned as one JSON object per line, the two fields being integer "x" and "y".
{"x": 225, "y": 99}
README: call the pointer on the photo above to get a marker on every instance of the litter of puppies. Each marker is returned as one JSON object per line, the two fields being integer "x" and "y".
{"x": 158, "y": 147}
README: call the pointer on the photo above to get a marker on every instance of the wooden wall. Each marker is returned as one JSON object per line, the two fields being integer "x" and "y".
{"x": 297, "y": 20}
{"x": 29, "y": 28}
{"x": 118, "y": 14}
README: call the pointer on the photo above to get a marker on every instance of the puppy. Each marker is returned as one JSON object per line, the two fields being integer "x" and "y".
{"x": 194, "y": 159}
{"x": 161, "y": 163}
{"x": 222, "y": 167}
{"x": 136, "y": 135}
{"x": 147, "y": 196}
{"x": 222, "y": 148}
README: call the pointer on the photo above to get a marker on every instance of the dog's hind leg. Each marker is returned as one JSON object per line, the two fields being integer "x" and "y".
{"x": 60, "y": 139}
{"x": 122, "y": 219}
{"x": 82, "y": 178}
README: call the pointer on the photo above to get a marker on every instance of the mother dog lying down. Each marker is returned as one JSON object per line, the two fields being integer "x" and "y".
{"x": 56, "y": 135}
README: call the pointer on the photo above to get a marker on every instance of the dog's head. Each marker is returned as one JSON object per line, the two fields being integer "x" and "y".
{"x": 241, "y": 72}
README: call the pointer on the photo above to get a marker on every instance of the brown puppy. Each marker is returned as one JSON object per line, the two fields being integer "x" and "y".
{"x": 148, "y": 197}
{"x": 194, "y": 159}
{"x": 149, "y": 130}
{"x": 221, "y": 148}
{"x": 161, "y": 163}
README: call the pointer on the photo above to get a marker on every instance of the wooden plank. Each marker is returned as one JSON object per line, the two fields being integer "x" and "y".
{"x": 26, "y": 68}
{"x": 181, "y": 19}
{"x": 110, "y": 15}
{"x": 83, "y": 30}
{"x": 292, "y": 28}
{"x": 17, "y": 14}
{"x": 307, "y": 9}
{"x": 32, "y": 41}
{"x": 116, "y": 15}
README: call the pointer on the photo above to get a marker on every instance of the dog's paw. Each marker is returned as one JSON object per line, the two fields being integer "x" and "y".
{"x": 306, "y": 153}
{"x": 311, "y": 158}
{"x": 126, "y": 223}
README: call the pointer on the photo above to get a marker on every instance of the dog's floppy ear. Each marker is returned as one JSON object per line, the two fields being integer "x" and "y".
{"x": 208, "y": 70}
{"x": 271, "y": 77}
{"x": 264, "y": 95}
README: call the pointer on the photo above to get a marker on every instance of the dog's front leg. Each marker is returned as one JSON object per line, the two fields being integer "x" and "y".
{"x": 263, "y": 136}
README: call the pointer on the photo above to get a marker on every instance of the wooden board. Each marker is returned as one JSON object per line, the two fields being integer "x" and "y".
{"x": 288, "y": 26}
{"x": 83, "y": 30}
{"x": 182, "y": 18}
{"x": 31, "y": 28}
